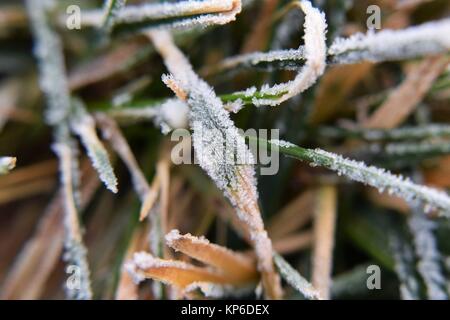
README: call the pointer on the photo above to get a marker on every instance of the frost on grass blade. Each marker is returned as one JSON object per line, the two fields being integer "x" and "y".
{"x": 290, "y": 59}
{"x": 169, "y": 115}
{"x": 176, "y": 273}
{"x": 295, "y": 279}
{"x": 314, "y": 52}
{"x": 84, "y": 126}
{"x": 7, "y": 164}
{"x": 428, "y": 38}
{"x": 431, "y": 199}
{"x": 394, "y": 134}
{"x": 111, "y": 10}
{"x": 221, "y": 151}
{"x": 238, "y": 268}
{"x": 324, "y": 226}
{"x": 429, "y": 258}
{"x": 113, "y": 134}
{"x": 75, "y": 253}
{"x": 182, "y": 15}
{"x": 49, "y": 53}
{"x": 404, "y": 267}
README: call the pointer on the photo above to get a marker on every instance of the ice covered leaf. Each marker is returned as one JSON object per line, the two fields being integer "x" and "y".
{"x": 83, "y": 125}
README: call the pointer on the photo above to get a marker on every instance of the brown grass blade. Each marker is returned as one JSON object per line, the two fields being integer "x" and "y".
{"x": 293, "y": 216}
{"x": 404, "y": 99}
{"x": 238, "y": 268}
{"x": 324, "y": 225}
{"x": 176, "y": 273}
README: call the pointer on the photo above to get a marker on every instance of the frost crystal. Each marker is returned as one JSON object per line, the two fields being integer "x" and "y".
{"x": 428, "y": 38}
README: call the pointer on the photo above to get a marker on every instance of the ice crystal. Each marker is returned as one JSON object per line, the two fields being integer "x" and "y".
{"x": 428, "y": 38}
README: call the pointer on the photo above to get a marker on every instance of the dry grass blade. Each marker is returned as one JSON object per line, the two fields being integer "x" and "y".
{"x": 257, "y": 39}
{"x": 292, "y": 217}
{"x": 324, "y": 225}
{"x": 39, "y": 256}
{"x": 29, "y": 173}
{"x": 403, "y": 100}
{"x": 293, "y": 243}
{"x": 238, "y": 268}
{"x": 176, "y": 273}
{"x": 127, "y": 289}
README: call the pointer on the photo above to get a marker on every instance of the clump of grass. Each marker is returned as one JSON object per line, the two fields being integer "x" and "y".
{"x": 136, "y": 71}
